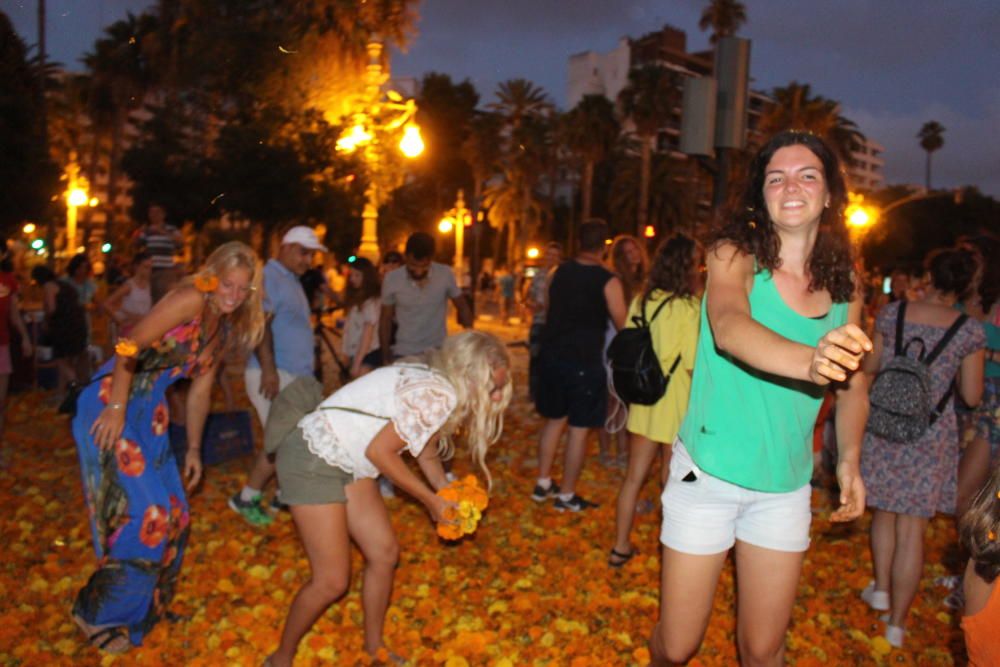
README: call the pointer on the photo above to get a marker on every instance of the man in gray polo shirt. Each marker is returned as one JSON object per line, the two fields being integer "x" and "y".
{"x": 416, "y": 296}
{"x": 284, "y": 354}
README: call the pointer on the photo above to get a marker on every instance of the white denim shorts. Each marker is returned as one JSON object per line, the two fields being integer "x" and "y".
{"x": 705, "y": 515}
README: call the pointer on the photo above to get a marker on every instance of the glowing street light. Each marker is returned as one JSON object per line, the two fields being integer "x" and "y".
{"x": 533, "y": 252}
{"x": 446, "y": 225}
{"x": 379, "y": 119}
{"x": 29, "y": 228}
{"x": 858, "y": 215}
{"x": 76, "y": 196}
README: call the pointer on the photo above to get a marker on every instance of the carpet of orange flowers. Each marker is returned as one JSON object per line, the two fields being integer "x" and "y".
{"x": 530, "y": 587}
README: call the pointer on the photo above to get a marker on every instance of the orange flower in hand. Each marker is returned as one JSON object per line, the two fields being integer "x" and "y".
{"x": 470, "y": 499}
{"x": 126, "y": 347}
{"x": 206, "y": 283}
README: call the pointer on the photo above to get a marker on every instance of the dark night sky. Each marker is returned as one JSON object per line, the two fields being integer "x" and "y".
{"x": 893, "y": 64}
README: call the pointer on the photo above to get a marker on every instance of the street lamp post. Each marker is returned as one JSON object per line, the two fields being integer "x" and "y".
{"x": 458, "y": 218}
{"x": 76, "y": 196}
{"x": 376, "y": 122}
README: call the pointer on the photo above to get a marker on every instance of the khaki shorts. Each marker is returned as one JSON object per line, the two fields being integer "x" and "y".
{"x": 306, "y": 479}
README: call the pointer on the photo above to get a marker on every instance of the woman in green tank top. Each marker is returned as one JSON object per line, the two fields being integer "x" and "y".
{"x": 779, "y": 323}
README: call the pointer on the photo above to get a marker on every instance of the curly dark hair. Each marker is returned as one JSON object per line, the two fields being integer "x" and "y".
{"x": 672, "y": 268}
{"x": 748, "y": 226}
{"x": 979, "y": 529}
{"x": 952, "y": 270}
{"x": 370, "y": 287}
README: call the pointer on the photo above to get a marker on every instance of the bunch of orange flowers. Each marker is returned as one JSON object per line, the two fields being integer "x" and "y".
{"x": 470, "y": 499}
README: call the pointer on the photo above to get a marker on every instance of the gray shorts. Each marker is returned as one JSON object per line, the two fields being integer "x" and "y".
{"x": 306, "y": 479}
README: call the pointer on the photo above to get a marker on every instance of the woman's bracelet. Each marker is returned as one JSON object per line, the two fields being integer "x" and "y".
{"x": 115, "y": 406}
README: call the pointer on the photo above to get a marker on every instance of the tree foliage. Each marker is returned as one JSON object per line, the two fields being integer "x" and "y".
{"x": 28, "y": 178}
{"x": 796, "y": 108}
{"x": 724, "y": 17}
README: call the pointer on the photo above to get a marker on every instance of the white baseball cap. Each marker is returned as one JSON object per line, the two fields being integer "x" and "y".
{"x": 305, "y": 237}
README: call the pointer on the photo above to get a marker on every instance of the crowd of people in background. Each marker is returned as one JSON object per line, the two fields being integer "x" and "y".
{"x": 756, "y": 326}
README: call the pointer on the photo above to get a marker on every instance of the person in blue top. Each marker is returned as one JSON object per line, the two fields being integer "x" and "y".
{"x": 779, "y": 323}
{"x": 285, "y": 353}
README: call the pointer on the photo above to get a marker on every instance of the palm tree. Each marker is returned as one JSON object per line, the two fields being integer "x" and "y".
{"x": 796, "y": 108}
{"x": 519, "y": 99}
{"x": 931, "y": 139}
{"x": 649, "y": 100}
{"x": 121, "y": 76}
{"x": 590, "y": 132}
{"x": 724, "y": 17}
{"x": 523, "y": 108}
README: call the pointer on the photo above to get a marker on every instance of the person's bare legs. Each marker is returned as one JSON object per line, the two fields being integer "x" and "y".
{"x": 766, "y": 581}
{"x": 883, "y": 545}
{"x": 687, "y": 589}
{"x": 642, "y": 451}
{"x": 324, "y": 534}
{"x": 576, "y": 450}
{"x": 548, "y": 442}
{"x": 262, "y": 471}
{"x": 907, "y": 566}
{"x": 973, "y": 469}
{"x": 370, "y": 528}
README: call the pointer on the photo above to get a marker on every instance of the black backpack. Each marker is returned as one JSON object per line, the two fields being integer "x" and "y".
{"x": 636, "y": 374}
{"x": 901, "y": 396}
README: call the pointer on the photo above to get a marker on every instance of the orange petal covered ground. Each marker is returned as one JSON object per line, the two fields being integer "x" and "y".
{"x": 530, "y": 586}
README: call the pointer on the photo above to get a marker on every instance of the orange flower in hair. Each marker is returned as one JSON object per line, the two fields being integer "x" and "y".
{"x": 991, "y": 536}
{"x": 471, "y": 499}
{"x": 126, "y": 347}
{"x": 206, "y": 283}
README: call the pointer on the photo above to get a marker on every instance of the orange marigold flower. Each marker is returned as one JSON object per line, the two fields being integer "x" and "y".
{"x": 470, "y": 500}
{"x": 206, "y": 283}
{"x": 127, "y": 348}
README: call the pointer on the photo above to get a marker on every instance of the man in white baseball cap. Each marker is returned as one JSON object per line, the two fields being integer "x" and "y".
{"x": 284, "y": 354}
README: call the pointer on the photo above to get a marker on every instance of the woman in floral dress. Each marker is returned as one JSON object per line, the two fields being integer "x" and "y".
{"x": 133, "y": 488}
{"x": 909, "y": 482}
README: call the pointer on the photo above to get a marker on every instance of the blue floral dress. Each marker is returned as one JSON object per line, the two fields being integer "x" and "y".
{"x": 134, "y": 492}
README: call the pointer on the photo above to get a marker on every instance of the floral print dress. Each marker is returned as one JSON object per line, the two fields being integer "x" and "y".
{"x": 919, "y": 478}
{"x": 134, "y": 493}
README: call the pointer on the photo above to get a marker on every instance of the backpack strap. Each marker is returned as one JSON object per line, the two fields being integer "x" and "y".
{"x": 946, "y": 338}
{"x": 643, "y": 322}
{"x": 900, "y": 316}
{"x": 939, "y": 408}
{"x": 673, "y": 366}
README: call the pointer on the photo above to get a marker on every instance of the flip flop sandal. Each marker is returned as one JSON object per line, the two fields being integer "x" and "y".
{"x": 102, "y": 640}
{"x": 618, "y": 559}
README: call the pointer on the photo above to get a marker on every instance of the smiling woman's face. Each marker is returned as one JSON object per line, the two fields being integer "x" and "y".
{"x": 795, "y": 188}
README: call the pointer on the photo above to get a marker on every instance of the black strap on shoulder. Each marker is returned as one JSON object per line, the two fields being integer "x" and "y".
{"x": 946, "y": 338}
{"x": 901, "y": 315}
{"x": 644, "y": 322}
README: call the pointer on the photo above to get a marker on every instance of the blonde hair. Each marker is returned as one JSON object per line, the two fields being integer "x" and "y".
{"x": 247, "y": 321}
{"x": 467, "y": 360}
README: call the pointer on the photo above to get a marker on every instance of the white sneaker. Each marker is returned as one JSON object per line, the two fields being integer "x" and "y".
{"x": 877, "y": 600}
{"x": 894, "y": 635}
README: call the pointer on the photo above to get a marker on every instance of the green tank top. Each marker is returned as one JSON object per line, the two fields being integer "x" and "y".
{"x": 748, "y": 427}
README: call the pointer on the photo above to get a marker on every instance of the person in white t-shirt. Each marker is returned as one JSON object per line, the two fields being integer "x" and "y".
{"x": 329, "y": 455}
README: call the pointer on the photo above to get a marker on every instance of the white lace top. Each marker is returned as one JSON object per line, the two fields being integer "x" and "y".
{"x": 415, "y": 399}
